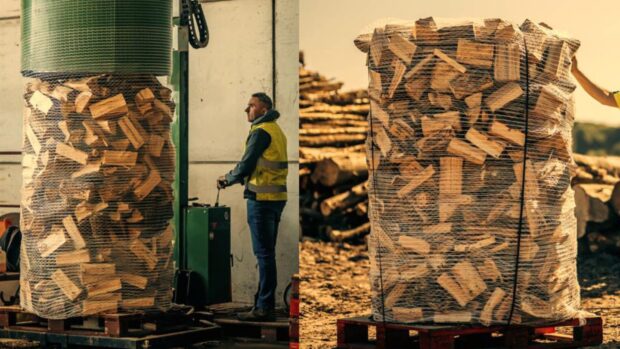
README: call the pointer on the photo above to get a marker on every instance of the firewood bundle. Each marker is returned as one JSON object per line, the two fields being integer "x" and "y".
{"x": 470, "y": 167}
{"x": 332, "y": 130}
{"x": 96, "y": 196}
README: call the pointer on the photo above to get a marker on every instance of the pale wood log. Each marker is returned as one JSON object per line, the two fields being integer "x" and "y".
{"x": 454, "y": 64}
{"x": 74, "y": 232}
{"x": 337, "y": 170}
{"x": 41, "y": 102}
{"x": 476, "y": 54}
{"x": 507, "y": 62}
{"x": 71, "y": 153}
{"x": 73, "y": 257}
{"x": 402, "y": 48}
{"x": 482, "y": 141}
{"x": 346, "y": 199}
{"x": 452, "y": 317}
{"x": 66, "y": 285}
{"x": 399, "y": 72}
{"x": 407, "y": 314}
{"x": 426, "y": 31}
{"x": 416, "y": 245}
{"x": 591, "y": 204}
{"x": 416, "y": 180}
{"x": 501, "y": 130}
{"x": 418, "y": 67}
{"x": 109, "y": 108}
{"x": 466, "y": 151}
{"x": 494, "y": 300}
{"x": 344, "y": 235}
{"x": 504, "y": 95}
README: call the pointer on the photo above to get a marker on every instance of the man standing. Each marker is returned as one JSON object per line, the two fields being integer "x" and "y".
{"x": 603, "y": 96}
{"x": 263, "y": 169}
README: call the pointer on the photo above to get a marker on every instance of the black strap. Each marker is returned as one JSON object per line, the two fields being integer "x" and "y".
{"x": 515, "y": 281}
{"x": 374, "y": 188}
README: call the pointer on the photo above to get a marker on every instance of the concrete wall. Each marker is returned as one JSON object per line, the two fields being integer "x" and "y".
{"x": 237, "y": 63}
{"x": 11, "y": 89}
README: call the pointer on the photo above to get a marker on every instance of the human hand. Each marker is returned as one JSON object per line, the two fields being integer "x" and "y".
{"x": 573, "y": 67}
{"x": 222, "y": 182}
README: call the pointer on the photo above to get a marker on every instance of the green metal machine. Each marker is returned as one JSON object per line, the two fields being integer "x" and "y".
{"x": 202, "y": 244}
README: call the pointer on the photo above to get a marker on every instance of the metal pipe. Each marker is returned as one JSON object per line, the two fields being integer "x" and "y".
{"x": 274, "y": 73}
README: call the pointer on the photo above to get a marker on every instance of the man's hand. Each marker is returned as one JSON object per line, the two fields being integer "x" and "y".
{"x": 222, "y": 182}
{"x": 573, "y": 67}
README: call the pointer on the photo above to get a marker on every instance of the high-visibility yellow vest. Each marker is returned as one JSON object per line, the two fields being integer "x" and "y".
{"x": 268, "y": 181}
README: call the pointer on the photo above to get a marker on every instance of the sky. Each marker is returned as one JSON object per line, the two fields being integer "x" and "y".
{"x": 328, "y": 27}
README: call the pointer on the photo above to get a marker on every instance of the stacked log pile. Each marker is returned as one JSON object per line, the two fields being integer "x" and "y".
{"x": 333, "y": 129}
{"x": 97, "y": 196}
{"x": 470, "y": 165}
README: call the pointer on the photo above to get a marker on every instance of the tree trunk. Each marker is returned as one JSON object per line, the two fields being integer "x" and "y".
{"x": 337, "y": 170}
{"x": 335, "y": 139}
{"x": 591, "y": 204}
{"x": 355, "y": 233}
{"x": 338, "y": 202}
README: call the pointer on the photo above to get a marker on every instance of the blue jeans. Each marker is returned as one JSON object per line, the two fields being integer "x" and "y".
{"x": 263, "y": 219}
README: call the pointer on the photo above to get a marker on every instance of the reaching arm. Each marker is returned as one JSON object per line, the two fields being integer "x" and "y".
{"x": 256, "y": 144}
{"x": 600, "y": 94}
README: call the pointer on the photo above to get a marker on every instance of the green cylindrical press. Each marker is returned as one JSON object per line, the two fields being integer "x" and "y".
{"x": 96, "y": 36}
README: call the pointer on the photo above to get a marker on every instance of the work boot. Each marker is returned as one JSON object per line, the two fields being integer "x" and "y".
{"x": 257, "y": 314}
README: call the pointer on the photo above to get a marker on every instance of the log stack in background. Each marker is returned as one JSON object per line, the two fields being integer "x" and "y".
{"x": 597, "y": 196}
{"x": 333, "y": 129}
{"x": 97, "y": 196}
{"x": 471, "y": 168}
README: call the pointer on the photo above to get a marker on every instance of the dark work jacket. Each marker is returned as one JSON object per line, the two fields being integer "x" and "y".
{"x": 256, "y": 143}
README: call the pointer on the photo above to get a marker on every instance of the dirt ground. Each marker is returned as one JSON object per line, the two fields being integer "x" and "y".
{"x": 334, "y": 284}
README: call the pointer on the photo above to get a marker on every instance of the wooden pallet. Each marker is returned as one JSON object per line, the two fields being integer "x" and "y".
{"x": 353, "y": 334}
{"x": 225, "y": 315}
{"x": 129, "y": 330}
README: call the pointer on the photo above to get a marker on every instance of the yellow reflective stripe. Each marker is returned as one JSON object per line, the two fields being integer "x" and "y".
{"x": 267, "y": 188}
{"x": 274, "y": 165}
{"x": 617, "y": 98}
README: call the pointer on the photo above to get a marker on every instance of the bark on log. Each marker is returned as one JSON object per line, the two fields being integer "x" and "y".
{"x": 312, "y": 155}
{"x": 338, "y": 202}
{"x": 611, "y": 164}
{"x": 338, "y": 170}
{"x": 350, "y": 234}
{"x": 615, "y": 198}
{"x": 591, "y": 204}
{"x": 330, "y": 140}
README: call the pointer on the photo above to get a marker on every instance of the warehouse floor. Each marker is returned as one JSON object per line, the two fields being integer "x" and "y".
{"x": 337, "y": 275}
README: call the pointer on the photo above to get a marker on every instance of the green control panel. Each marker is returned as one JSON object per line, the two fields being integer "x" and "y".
{"x": 208, "y": 254}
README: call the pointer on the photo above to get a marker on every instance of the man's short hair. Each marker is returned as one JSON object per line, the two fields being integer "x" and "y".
{"x": 266, "y": 100}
